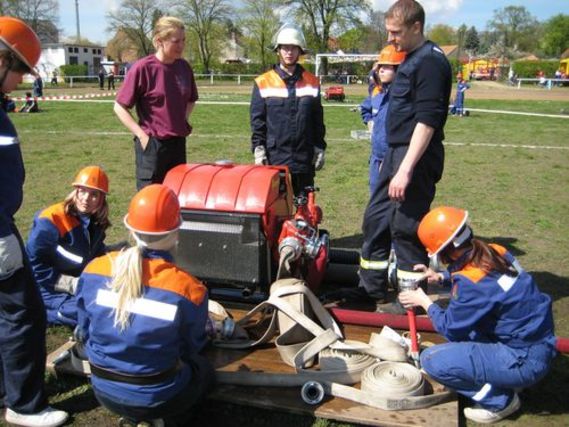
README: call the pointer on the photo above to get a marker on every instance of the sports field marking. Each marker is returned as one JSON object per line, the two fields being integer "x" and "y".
{"x": 247, "y": 138}
{"x": 245, "y": 103}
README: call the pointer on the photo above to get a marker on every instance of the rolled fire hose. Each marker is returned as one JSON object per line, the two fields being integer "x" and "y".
{"x": 385, "y": 385}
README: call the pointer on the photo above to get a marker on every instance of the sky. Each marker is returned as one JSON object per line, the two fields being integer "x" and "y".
{"x": 93, "y": 23}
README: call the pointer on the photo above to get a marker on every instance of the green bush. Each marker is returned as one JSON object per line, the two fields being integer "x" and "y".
{"x": 529, "y": 69}
{"x": 73, "y": 70}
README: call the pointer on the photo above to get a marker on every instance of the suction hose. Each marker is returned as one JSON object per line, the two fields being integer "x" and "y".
{"x": 395, "y": 321}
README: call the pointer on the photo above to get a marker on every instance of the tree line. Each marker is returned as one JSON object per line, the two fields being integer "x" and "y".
{"x": 348, "y": 25}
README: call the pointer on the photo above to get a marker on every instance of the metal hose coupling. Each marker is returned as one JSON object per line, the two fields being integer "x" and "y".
{"x": 312, "y": 392}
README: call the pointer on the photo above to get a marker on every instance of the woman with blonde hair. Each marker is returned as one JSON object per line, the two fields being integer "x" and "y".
{"x": 162, "y": 89}
{"x": 142, "y": 320}
{"x": 64, "y": 238}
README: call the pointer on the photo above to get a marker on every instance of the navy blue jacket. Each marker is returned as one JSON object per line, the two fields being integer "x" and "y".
{"x": 287, "y": 118}
{"x": 420, "y": 93}
{"x": 11, "y": 174}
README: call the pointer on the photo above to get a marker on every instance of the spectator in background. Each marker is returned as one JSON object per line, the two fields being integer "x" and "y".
{"x": 30, "y": 104}
{"x": 101, "y": 77}
{"x": 111, "y": 80}
{"x": 37, "y": 87}
{"x": 163, "y": 90}
{"x": 8, "y": 104}
{"x": 54, "y": 78}
{"x": 458, "y": 107}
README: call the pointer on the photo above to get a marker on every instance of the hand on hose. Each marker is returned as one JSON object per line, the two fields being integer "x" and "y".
{"x": 318, "y": 159}
{"x": 370, "y": 126}
{"x": 431, "y": 275}
{"x": 11, "y": 258}
{"x": 418, "y": 297}
{"x": 260, "y": 154}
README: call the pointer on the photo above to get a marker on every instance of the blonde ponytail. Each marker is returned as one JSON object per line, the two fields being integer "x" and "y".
{"x": 127, "y": 282}
{"x": 127, "y": 271}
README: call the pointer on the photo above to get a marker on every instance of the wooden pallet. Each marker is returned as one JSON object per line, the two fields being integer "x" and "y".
{"x": 267, "y": 359}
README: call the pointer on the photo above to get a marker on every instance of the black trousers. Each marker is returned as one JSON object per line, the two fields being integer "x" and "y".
{"x": 160, "y": 155}
{"x": 387, "y": 222}
{"x": 301, "y": 180}
{"x": 22, "y": 341}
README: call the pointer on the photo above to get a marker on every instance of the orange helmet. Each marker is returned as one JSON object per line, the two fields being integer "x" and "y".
{"x": 442, "y": 226}
{"x": 153, "y": 210}
{"x": 390, "y": 56}
{"x": 21, "y": 40}
{"x": 92, "y": 177}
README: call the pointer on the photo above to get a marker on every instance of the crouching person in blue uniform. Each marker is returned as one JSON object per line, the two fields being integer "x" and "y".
{"x": 22, "y": 315}
{"x": 64, "y": 238}
{"x": 142, "y": 320}
{"x": 498, "y": 324}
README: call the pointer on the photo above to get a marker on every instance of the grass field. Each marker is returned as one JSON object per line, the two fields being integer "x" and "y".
{"x": 510, "y": 171}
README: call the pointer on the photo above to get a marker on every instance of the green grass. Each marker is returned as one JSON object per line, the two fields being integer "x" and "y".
{"x": 517, "y": 196}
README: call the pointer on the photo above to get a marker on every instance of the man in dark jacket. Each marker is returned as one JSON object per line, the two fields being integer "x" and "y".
{"x": 412, "y": 165}
{"x": 287, "y": 122}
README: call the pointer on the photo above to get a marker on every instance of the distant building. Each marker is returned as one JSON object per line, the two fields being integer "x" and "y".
{"x": 55, "y": 55}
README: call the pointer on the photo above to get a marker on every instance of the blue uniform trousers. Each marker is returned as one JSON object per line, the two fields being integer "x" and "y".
{"x": 374, "y": 164}
{"x": 22, "y": 341}
{"x": 487, "y": 373}
{"x": 178, "y": 410}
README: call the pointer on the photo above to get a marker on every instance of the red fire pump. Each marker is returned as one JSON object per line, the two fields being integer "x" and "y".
{"x": 240, "y": 230}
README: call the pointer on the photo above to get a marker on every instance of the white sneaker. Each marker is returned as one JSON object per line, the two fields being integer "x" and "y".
{"x": 484, "y": 416}
{"x": 49, "y": 417}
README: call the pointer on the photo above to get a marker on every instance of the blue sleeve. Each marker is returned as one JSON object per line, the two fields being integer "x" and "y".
{"x": 469, "y": 303}
{"x": 41, "y": 248}
{"x": 258, "y": 117}
{"x": 366, "y": 110}
{"x": 193, "y": 333}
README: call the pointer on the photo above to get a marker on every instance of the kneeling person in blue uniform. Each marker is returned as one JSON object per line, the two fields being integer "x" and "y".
{"x": 143, "y": 320}
{"x": 498, "y": 324}
{"x": 64, "y": 238}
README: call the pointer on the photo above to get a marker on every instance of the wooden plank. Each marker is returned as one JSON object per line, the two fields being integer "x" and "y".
{"x": 288, "y": 399}
{"x": 267, "y": 359}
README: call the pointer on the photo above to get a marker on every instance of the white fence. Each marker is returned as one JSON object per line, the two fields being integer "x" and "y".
{"x": 547, "y": 83}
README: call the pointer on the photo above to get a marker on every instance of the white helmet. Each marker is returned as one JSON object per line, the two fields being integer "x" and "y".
{"x": 290, "y": 35}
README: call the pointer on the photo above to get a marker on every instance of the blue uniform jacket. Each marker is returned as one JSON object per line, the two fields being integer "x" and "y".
{"x": 167, "y": 325}
{"x": 287, "y": 118}
{"x": 420, "y": 93}
{"x": 374, "y": 108}
{"x": 495, "y": 307}
{"x": 61, "y": 244}
{"x": 11, "y": 175}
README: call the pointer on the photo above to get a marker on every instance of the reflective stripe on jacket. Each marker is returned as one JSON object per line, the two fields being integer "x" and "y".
{"x": 287, "y": 118}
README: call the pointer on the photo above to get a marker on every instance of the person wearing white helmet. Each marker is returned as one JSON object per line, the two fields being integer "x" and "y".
{"x": 22, "y": 313}
{"x": 287, "y": 120}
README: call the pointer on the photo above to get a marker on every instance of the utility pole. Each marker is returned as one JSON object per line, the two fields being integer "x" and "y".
{"x": 77, "y": 19}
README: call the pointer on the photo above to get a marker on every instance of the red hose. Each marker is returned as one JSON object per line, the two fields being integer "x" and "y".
{"x": 396, "y": 321}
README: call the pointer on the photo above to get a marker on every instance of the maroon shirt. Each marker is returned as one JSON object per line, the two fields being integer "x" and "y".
{"x": 161, "y": 93}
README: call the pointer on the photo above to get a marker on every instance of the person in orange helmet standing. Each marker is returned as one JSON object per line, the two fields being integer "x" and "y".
{"x": 64, "y": 238}
{"x": 142, "y": 320}
{"x": 374, "y": 109}
{"x": 22, "y": 314}
{"x": 498, "y": 324}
